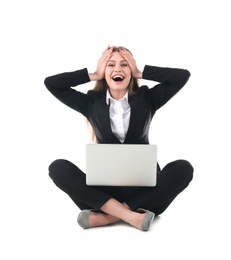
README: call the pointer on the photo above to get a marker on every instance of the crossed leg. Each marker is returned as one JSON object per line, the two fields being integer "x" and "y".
{"x": 115, "y": 211}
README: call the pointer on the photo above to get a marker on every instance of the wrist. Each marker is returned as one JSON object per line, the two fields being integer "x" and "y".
{"x": 93, "y": 76}
{"x": 139, "y": 75}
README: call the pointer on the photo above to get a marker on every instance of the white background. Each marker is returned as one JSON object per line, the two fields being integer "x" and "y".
{"x": 42, "y": 38}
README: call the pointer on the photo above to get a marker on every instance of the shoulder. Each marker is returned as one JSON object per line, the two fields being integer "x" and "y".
{"x": 96, "y": 96}
{"x": 142, "y": 90}
{"x": 141, "y": 95}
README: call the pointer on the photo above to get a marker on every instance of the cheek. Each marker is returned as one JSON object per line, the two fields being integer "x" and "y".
{"x": 129, "y": 78}
{"x": 129, "y": 74}
{"x": 107, "y": 74}
{"x": 108, "y": 79}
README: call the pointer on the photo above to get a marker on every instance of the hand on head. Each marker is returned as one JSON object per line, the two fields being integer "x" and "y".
{"x": 105, "y": 57}
{"x": 131, "y": 61}
{"x": 102, "y": 62}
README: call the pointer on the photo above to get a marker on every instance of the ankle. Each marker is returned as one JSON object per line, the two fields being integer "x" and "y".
{"x": 135, "y": 219}
{"x": 101, "y": 219}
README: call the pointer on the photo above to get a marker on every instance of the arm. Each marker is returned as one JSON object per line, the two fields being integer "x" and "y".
{"x": 60, "y": 86}
{"x": 171, "y": 80}
{"x": 66, "y": 80}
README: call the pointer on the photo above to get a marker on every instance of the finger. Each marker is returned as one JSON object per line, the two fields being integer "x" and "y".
{"x": 125, "y": 52}
{"x": 108, "y": 48}
{"x": 105, "y": 50}
{"x": 108, "y": 53}
{"x": 105, "y": 55}
{"x": 129, "y": 58}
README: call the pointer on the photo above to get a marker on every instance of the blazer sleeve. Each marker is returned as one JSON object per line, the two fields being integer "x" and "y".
{"x": 61, "y": 86}
{"x": 171, "y": 80}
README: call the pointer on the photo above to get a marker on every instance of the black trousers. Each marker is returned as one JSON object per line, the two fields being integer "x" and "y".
{"x": 171, "y": 181}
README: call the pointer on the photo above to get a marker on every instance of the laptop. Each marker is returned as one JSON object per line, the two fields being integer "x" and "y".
{"x": 121, "y": 164}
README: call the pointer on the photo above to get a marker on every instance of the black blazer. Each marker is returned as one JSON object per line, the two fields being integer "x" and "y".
{"x": 143, "y": 106}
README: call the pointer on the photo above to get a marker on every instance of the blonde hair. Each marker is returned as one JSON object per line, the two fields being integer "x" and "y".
{"x": 91, "y": 132}
{"x": 102, "y": 86}
{"x": 133, "y": 86}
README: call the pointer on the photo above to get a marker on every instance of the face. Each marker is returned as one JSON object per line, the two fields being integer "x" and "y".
{"x": 117, "y": 75}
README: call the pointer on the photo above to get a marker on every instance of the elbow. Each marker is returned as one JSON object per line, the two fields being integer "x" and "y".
{"x": 46, "y": 82}
{"x": 187, "y": 75}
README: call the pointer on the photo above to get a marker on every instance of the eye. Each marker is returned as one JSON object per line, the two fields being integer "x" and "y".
{"x": 124, "y": 65}
{"x": 110, "y": 65}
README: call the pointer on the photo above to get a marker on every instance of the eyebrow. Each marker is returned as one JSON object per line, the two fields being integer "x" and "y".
{"x": 115, "y": 61}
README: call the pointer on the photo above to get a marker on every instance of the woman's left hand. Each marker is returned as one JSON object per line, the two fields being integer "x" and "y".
{"x": 136, "y": 73}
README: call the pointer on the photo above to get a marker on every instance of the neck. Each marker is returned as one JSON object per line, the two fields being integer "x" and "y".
{"x": 118, "y": 94}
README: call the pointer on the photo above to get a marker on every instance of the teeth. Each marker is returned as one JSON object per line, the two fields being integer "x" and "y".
{"x": 118, "y": 77}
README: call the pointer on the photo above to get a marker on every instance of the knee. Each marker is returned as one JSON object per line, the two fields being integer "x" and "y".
{"x": 186, "y": 169}
{"x": 55, "y": 168}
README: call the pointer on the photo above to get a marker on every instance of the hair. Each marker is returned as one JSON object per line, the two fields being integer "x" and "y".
{"x": 102, "y": 86}
{"x": 133, "y": 86}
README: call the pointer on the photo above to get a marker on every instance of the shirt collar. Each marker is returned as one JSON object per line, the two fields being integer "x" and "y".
{"x": 108, "y": 97}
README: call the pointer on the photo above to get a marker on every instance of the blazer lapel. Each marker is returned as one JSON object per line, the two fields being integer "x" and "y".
{"x": 132, "y": 123}
{"x": 103, "y": 114}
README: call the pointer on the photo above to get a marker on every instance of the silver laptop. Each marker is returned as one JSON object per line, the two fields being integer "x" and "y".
{"x": 121, "y": 164}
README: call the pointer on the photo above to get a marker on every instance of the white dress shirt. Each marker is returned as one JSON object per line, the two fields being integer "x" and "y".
{"x": 119, "y": 115}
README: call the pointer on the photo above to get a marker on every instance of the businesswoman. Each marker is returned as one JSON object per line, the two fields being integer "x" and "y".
{"x": 119, "y": 111}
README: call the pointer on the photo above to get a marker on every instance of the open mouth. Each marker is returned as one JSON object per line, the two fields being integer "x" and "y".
{"x": 118, "y": 78}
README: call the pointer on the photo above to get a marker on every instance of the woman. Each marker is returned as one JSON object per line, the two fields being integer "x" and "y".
{"x": 119, "y": 111}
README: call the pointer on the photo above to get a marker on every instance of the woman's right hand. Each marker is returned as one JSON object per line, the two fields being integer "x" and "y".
{"x": 102, "y": 62}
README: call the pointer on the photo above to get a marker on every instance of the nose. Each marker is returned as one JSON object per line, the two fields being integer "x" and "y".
{"x": 117, "y": 68}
